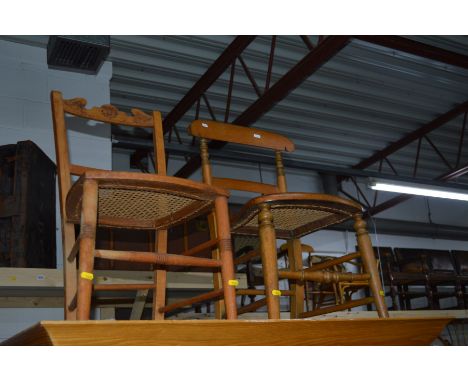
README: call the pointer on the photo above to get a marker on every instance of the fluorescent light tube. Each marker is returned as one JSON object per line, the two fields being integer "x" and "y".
{"x": 423, "y": 190}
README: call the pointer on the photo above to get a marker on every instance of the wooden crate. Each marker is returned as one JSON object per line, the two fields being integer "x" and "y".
{"x": 27, "y": 207}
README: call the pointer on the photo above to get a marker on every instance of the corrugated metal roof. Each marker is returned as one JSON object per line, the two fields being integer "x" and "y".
{"x": 364, "y": 98}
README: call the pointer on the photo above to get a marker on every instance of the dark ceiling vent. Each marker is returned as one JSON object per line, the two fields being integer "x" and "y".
{"x": 83, "y": 54}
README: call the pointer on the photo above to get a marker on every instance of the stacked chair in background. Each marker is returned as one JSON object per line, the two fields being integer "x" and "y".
{"x": 425, "y": 278}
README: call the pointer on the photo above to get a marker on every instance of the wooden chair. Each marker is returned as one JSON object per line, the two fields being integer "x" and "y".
{"x": 412, "y": 277}
{"x": 335, "y": 293}
{"x": 346, "y": 289}
{"x": 461, "y": 263}
{"x": 442, "y": 277}
{"x": 137, "y": 201}
{"x": 286, "y": 215}
{"x": 319, "y": 295}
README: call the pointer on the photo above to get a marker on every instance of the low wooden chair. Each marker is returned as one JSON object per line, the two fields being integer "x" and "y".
{"x": 101, "y": 198}
{"x": 317, "y": 294}
{"x": 287, "y": 215}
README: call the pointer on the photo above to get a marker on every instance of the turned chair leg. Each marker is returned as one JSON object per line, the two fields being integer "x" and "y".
{"x": 250, "y": 280}
{"x": 459, "y": 291}
{"x": 87, "y": 247}
{"x": 219, "y": 305}
{"x": 393, "y": 295}
{"x": 431, "y": 293}
{"x": 269, "y": 261}
{"x": 160, "y": 278}
{"x": 69, "y": 272}
{"x": 225, "y": 253}
{"x": 297, "y": 287}
{"x": 370, "y": 265}
{"x": 406, "y": 297}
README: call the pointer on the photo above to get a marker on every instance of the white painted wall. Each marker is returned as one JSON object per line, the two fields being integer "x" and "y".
{"x": 25, "y": 114}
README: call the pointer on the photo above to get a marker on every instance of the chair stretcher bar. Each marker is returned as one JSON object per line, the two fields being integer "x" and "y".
{"x": 321, "y": 276}
{"x": 336, "y": 308}
{"x": 194, "y": 300}
{"x": 331, "y": 263}
{"x": 157, "y": 258}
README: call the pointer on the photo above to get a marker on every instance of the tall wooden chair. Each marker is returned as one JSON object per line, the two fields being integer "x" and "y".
{"x": 286, "y": 215}
{"x": 137, "y": 201}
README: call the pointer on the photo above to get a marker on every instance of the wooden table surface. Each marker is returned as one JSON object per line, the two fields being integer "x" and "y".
{"x": 334, "y": 331}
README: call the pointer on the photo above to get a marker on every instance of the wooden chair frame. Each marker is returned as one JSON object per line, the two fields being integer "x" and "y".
{"x": 276, "y": 195}
{"x": 461, "y": 263}
{"x": 86, "y": 192}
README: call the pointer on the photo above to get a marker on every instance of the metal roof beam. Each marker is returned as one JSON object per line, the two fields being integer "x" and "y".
{"x": 413, "y": 136}
{"x": 292, "y": 79}
{"x": 254, "y": 156}
{"x": 207, "y": 79}
{"x": 406, "y": 140}
{"x": 418, "y": 49}
{"x": 453, "y": 174}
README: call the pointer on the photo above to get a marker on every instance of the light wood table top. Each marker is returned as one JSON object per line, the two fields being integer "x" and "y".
{"x": 334, "y": 331}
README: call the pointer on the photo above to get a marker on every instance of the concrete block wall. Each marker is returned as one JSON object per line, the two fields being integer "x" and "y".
{"x": 25, "y": 114}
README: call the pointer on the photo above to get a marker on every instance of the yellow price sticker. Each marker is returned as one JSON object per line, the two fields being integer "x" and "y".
{"x": 233, "y": 282}
{"x": 276, "y": 292}
{"x": 382, "y": 293}
{"x": 87, "y": 275}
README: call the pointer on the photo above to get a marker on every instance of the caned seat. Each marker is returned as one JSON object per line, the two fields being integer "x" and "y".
{"x": 295, "y": 214}
{"x": 142, "y": 201}
{"x": 287, "y": 215}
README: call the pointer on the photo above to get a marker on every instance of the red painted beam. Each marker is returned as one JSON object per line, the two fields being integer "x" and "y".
{"x": 292, "y": 79}
{"x": 413, "y": 136}
{"x": 207, "y": 79}
{"x": 418, "y": 49}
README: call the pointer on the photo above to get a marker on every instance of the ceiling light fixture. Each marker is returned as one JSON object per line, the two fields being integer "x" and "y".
{"x": 418, "y": 189}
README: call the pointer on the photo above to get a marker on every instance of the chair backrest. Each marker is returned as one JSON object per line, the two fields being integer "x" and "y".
{"x": 461, "y": 261}
{"x": 212, "y": 130}
{"x": 107, "y": 114}
{"x": 411, "y": 260}
{"x": 440, "y": 261}
{"x": 387, "y": 261}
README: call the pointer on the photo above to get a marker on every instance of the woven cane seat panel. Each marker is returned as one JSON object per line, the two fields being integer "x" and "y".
{"x": 141, "y": 208}
{"x": 293, "y": 218}
{"x": 244, "y": 243}
{"x": 290, "y": 222}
